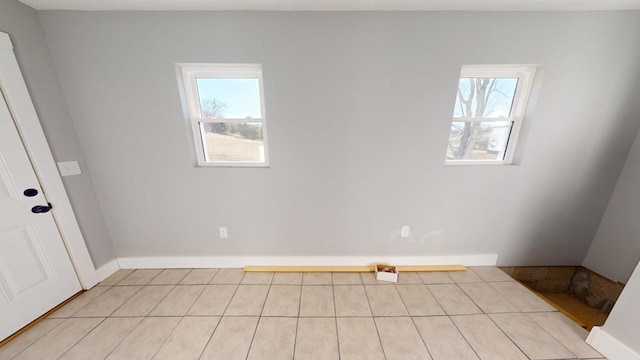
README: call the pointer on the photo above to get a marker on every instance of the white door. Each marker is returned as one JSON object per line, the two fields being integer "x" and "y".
{"x": 36, "y": 273}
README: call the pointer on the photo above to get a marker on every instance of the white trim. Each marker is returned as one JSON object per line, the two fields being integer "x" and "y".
{"x": 609, "y": 346}
{"x": 484, "y": 120}
{"x": 332, "y": 5}
{"x": 241, "y": 261}
{"x": 187, "y": 76}
{"x": 525, "y": 75}
{"x": 35, "y": 142}
{"x": 476, "y": 162}
{"x": 107, "y": 269}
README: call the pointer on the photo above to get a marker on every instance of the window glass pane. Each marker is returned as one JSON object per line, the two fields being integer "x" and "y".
{"x": 485, "y": 97}
{"x": 232, "y": 142}
{"x": 229, "y": 98}
{"x": 478, "y": 140}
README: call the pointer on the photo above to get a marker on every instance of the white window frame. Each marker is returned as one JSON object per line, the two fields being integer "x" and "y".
{"x": 525, "y": 75}
{"x": 189, "y": 73}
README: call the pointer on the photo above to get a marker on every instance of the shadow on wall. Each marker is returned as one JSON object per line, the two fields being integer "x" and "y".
{"x": 557, "y": 227}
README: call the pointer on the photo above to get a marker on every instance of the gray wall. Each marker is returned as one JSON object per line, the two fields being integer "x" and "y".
{"x": 359, "y": 108}
{"x": 23, "y": 26}
{"x": 622, "y": 323}
{"x": 615, "y": 250}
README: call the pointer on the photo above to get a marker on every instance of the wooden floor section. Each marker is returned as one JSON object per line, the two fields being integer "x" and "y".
{"x": 584, "y": 315}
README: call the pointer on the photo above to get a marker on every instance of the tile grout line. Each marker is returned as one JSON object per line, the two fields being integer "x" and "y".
{"x": 283, "y": 316}
{"x": 553, "y": 337}
{"x": 529, "y": 291}
{"x": 412, "y": 321}
{"x": 87, "y": 304}
{"x": 255, "y": 331}
{"x": 184, "y": 277}
{"x": 511, "y": 302}
{"x": 461, "y": 333}
{"x": 443, "y": 272}
{"x": 123, "y": 302}
{"x": 143, "y": 317}
{"x": 36, "y": 340}
{"x": 74, "y": 344}
{"x": 204, "y": 287}
{"x": 221, "y": 316}
{"x": 133, "y": 272}
{"x": 124, "y": 337}
{"x": 426, "y": 288}
{"x": 174, "y": 283}
{"x": 335, "y": 313}
{"x": 374, "y": 322}
{"x": 470, "y": 299}
{"x": 232, "y": 296}
{"x": 83, "y": 336}
{"x": 436, "y": 298}
{"x": 235, "y": 290}
{"x": 295, "y": 339}
{"x": 102, "y": 283}
{"x": 489, "y": 317}
{"x": 159, "y": 302}
{"x": 464, "y": 337}
{"x": 548, "y": 333}
{"x": 508, "y": 337}
{"x": 215, "y": 328}
{"x": 421, "y": 338}
{"x": 215, "y": 273}
{"x": 168, "y": 336}
{"x": 181, "y": 317}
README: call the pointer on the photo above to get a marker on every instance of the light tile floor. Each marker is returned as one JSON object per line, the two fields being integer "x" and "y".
{"x": 226, "y": 314}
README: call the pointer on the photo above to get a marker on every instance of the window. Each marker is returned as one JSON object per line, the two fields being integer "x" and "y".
{"x": 225, "y": 106}
{"x": 490, "y": 104}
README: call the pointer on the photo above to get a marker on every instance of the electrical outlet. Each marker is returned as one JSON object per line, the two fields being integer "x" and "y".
{"x": 224, "y": 234}
{"x": 405, "y": 231}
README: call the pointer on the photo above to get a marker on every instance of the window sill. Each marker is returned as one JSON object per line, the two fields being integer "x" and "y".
{"x": 476, "y": 162}
{"x": 234, "y": 165}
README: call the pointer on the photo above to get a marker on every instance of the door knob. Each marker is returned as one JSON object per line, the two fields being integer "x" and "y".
{"x": 30, "y": 192}
{"x": 38, "y": 209}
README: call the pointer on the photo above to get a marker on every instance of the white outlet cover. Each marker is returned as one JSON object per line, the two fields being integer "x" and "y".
{"x": 404, "y": 232}
{"x": 69, "y": 168}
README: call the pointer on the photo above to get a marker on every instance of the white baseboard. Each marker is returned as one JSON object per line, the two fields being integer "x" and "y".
{"x": 609, "y": 346}
{"x": 107, "y": 269}
{"x": 241, "y": 261}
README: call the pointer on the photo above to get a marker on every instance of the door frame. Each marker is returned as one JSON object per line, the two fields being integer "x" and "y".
{"x": 26, "y": 119}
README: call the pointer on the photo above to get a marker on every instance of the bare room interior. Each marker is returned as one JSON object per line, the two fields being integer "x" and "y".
{"x": 288, "y": 179}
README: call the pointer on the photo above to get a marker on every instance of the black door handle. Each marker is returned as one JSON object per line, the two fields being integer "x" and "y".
{"x": 38, "y": 209}
{"x": 30, "y": 192}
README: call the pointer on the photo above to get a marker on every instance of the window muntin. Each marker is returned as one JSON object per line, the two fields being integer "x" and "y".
{"x": 488, "y": 112}
{"x": 225, "y": 104}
